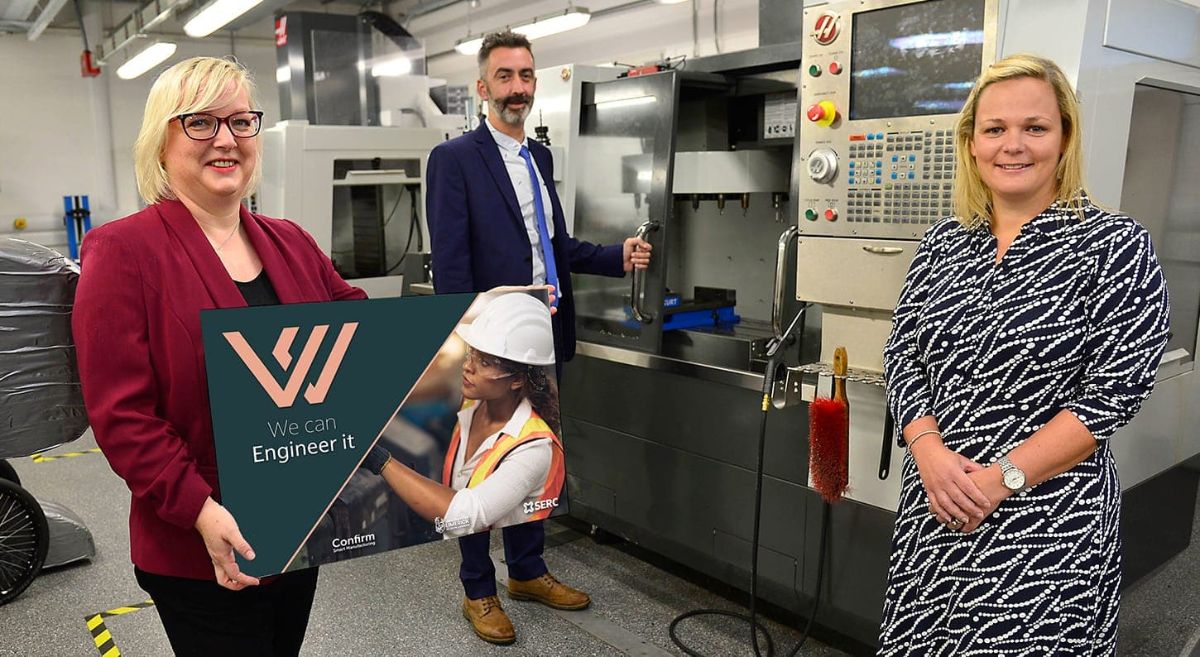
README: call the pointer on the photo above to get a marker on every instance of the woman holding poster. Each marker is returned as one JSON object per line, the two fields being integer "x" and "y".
{"x": 505, "y": 462}
{"x": 136, "y": 322}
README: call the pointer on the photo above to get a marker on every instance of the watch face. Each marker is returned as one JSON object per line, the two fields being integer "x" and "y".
{"x": 1014, "y": 479}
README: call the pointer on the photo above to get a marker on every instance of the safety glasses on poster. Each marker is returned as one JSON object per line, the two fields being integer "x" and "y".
{"x": 488, "y": 365}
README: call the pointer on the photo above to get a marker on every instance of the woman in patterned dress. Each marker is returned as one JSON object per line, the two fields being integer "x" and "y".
{"x": 1029, "y": 330}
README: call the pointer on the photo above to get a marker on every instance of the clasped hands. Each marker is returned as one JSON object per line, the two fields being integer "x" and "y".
{"x": 961, "y": 492}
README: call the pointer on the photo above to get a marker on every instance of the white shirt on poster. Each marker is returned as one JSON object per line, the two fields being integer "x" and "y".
{"x": 497, "y": 501}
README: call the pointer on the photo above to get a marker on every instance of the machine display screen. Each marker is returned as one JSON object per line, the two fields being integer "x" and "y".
{"x": 915, "y": 59}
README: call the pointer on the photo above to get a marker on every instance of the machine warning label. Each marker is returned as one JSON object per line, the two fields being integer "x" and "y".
{"x": 779, "y": 116}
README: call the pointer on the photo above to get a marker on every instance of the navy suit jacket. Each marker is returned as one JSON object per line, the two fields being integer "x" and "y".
{"x": 478, "y": 234}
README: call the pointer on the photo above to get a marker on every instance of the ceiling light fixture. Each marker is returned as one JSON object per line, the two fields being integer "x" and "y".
{"x": 556, "y": 23}
{"x": 153, "y": 55}
{"x": 469, "y": 45}
{"x": 669, "y": 2}
{"x": 216, "y": 15}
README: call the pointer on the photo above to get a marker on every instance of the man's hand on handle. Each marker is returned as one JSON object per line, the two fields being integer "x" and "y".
{"x": 636, "y": 254}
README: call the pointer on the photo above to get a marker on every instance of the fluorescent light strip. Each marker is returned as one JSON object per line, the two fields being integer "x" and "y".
{"x": 469, "y": 46}
{"x": 626, "y": 102}
{"x": 154, "y": 54}
{"x": 555, "y": 24}
{"x": 542, "y": 26}
{"x": 217, "y": 15}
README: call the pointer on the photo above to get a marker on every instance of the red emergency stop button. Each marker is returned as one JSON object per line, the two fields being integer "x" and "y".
{"x": 831, "y": 214}
{"x": 823, "y": 113}
{"x": 835, "y": 68}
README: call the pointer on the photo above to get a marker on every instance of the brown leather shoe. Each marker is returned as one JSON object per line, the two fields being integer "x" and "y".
{"x": 488, "y": 620}
{"x": 548, "y": 591}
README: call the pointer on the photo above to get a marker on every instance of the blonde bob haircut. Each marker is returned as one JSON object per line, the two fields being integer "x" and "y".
{"x": 193, "y": 85}
{"x": 972, "y": 198}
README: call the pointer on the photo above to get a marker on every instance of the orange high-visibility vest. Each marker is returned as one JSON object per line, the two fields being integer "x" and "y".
{"x": 535, "y": 428}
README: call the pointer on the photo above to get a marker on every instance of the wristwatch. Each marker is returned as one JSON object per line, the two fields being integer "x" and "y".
{"x": 1014, "y": 477}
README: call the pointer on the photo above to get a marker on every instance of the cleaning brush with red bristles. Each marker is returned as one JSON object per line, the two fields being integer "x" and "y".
{"x": 829, "y": 436}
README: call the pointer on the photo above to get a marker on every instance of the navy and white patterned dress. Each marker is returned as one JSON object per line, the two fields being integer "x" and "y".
{"x": 1074, "y": 317}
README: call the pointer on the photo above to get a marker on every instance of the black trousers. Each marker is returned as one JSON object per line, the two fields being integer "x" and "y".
{"x": 203, "y": 619}
{"x": 523, "y": 547}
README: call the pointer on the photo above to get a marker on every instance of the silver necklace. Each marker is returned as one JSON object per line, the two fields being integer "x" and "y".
{"x": 225, "y": 241}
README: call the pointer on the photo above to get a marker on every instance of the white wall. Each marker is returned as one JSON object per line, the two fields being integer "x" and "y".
{"x": 49, "y": 144}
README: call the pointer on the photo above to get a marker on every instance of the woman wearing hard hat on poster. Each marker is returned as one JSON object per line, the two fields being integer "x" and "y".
{"x": 504, "y": 465}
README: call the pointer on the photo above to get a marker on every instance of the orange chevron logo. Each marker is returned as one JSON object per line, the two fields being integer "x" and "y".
{"x": 284, "y": 396}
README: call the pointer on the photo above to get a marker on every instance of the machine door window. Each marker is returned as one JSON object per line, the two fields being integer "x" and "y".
{"x": 626, "y": 138}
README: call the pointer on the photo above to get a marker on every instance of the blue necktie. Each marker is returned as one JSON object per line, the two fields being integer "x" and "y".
{"x": 543, "y": 232}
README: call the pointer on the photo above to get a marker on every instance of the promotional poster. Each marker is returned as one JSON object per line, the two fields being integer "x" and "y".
{"x": 351, "y": 428}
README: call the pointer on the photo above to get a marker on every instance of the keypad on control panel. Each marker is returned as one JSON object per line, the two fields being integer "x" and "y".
{"x": 900, "y": 178}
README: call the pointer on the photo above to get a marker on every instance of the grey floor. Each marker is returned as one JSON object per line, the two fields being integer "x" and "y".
{"x": 407, "y": 602}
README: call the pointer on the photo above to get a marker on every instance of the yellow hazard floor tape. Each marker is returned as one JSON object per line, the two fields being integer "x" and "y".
{"x": 100, "y": 634}
{"x": 38, "y": 458}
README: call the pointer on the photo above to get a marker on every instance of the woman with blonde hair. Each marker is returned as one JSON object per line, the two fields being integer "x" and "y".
{"x": 1029, "y": 330}
{"x": 145, "y": 279}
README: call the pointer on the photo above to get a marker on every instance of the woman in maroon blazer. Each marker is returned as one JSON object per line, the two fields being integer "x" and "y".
{"x": 136, "y": 321}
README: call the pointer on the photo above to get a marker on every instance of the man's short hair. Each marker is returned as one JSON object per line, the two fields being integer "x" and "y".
{"x": 505, "y": 39}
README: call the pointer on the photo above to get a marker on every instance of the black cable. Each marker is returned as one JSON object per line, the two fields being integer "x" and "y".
{"x": 394, "y": 206}
{"x": 82, "y": 29}
{"x": 773, "y": 365}
{"x": 413, "y": 193}
{"x": 414, "y": 226}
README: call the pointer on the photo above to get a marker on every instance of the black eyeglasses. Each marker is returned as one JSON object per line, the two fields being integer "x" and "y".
{"x": 202, "y": 127}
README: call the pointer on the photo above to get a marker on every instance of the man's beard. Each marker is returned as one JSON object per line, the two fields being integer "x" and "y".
{"x": 511, "y": 116}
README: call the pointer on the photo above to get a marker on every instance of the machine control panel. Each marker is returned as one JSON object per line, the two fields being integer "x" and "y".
{"x": 882, "y": 83}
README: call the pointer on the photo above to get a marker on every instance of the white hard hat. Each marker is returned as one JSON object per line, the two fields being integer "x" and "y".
{"x": 514, "y": 326}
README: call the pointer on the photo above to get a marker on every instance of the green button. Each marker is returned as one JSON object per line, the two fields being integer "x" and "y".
{"x": 814, "y": 71}
{"x": 810, "y": 214}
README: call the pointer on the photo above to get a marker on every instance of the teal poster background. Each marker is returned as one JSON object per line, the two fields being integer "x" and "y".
{"x": 275, "y": 490}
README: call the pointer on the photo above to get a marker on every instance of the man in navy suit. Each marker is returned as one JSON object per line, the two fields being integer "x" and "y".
{"x": 495, "y": 219}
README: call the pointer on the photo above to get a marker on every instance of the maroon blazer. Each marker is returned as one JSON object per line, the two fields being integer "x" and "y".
{"x": 144, "y": 281}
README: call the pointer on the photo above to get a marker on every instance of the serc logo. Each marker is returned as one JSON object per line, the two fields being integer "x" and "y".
{"x": 539, "y": 505}
{"x": 285, "y": 396}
